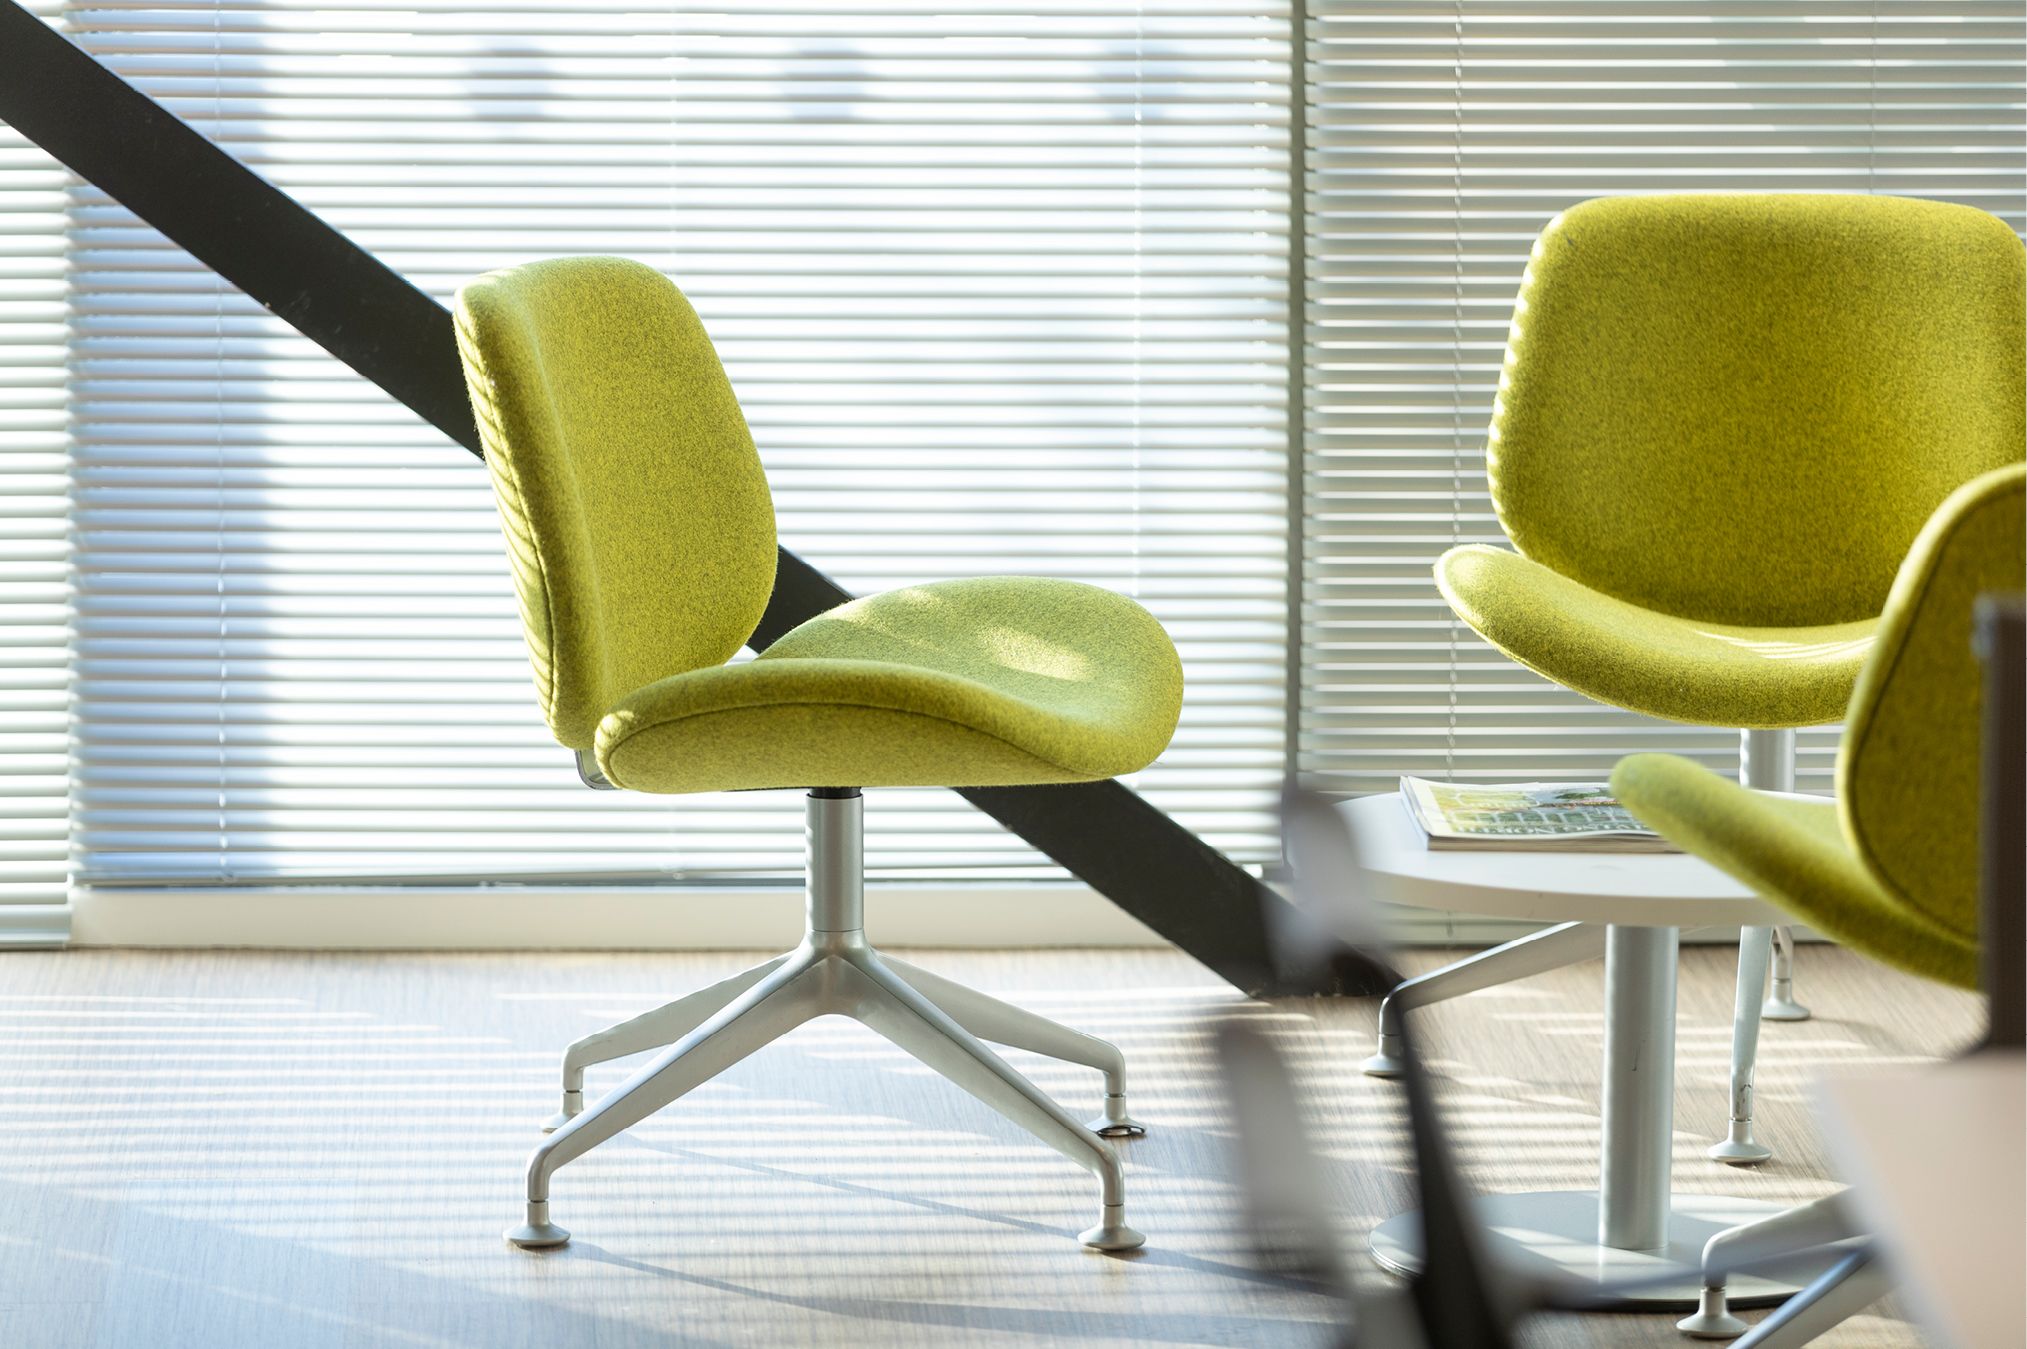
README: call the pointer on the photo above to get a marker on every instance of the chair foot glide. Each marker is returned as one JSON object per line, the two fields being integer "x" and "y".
{"x": 1712, "y": 1319}
{"x": 573, "y": 1106}
{"x": 538, "y": 1233}
{"x": 1112, "y": 1233}
{"x": 1115, "y": 1122}
{"x": 1739, "y": 1147}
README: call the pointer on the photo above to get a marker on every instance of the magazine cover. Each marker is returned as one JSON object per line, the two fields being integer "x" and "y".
{"x": 1574, "y": 816}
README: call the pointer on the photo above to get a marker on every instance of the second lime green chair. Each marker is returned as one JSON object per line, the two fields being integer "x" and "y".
{"x": 1721, "y": 422}
{"x": 641, "y": 533}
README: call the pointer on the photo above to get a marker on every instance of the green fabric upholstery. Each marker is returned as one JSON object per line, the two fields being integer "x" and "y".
{"x": 1907, "y": 785}
{"x": 637, "y": 517}
{"x": 1630, "y": 656}
{"x": 1891, "y": 867}
{"x": 986, "y": 682}
{"x": 1720, "y": 424}
{"x": 1741, "y": 409}
{"x": 1795, "y": 854}
{"x": 642, "y": 536}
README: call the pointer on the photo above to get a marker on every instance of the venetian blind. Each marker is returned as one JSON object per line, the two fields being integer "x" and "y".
{"x": 1002, "y": 289}
{"x": 34, "y": 532}
{"x": 1442, "y": 135}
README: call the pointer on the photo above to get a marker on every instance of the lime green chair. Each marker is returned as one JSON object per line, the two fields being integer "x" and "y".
{"x": 1891, "y": 867}
{"x": 1720, "y": 424}
{"x": 641, "y": 535}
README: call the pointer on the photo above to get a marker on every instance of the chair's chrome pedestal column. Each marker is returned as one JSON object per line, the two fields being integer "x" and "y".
{"x": 835, "y": 972}
{"x": 1632, "y": 1228}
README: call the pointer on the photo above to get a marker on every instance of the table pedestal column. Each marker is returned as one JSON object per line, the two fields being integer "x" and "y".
{"x": 1633, "y": 1173}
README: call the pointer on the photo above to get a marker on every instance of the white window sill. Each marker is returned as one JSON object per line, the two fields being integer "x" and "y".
{"x": 589, "y": 918}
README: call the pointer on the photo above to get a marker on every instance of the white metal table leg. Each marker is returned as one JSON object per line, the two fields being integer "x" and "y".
{"x": 1639, "y": 1112}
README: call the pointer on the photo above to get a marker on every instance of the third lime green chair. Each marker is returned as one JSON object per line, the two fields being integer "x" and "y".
{"x": 642, "y": 539}
{"x": 1721, "y": 422}
{"x": 1891, "y": 867}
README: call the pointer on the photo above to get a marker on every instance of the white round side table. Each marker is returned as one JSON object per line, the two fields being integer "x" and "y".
{"x": 1633, "y": 1227}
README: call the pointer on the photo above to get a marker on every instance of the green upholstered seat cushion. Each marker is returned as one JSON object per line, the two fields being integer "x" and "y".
{"x": 993, "y": 681}
{"x": 1793, "y": 851}
{"x": 1635, "y": 657}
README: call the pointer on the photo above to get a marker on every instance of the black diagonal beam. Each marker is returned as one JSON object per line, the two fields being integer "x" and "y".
{"x": 348, "y": 302}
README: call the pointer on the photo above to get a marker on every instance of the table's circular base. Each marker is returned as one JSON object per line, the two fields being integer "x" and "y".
{"x": 1555, "y": 1233}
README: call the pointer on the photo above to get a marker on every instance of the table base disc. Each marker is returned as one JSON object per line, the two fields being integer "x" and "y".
{"x": 1552, "y": 1233}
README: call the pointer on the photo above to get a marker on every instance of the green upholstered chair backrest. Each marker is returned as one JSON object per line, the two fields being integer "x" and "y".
{"x": 635, "y": 509}
{"x": 1907, "y": 779}
{"x": 1742, "y": 408}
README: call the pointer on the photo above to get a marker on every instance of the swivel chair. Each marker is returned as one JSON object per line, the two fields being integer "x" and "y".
{"x": 1891, "y": 867}
{"x": 641, "y": 533}
{"x": 1720, "y": 424}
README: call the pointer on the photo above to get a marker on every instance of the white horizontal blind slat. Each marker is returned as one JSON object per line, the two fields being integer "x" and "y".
{"x": 1000, "y": 291}
{"x": 1442, "y": 135}
{"x": 34, "y": 543}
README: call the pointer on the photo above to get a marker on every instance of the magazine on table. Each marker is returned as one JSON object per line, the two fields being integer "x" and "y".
{"x": 1526, "y": 817}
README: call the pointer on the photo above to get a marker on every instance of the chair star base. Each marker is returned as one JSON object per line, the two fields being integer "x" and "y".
{"x": 834, "y": 972}
{"x": 1553, "y": 1236}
